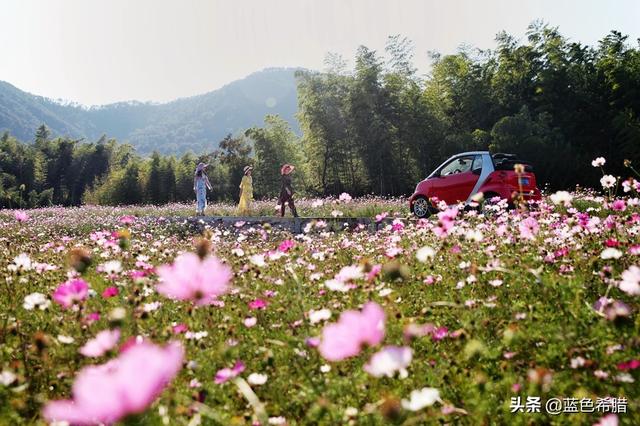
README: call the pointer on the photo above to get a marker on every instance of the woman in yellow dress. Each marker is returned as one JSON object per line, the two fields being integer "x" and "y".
{"x": 246, "y": 192}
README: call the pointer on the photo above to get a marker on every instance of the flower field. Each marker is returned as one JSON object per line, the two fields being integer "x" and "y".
{"x": 120, "y": 315}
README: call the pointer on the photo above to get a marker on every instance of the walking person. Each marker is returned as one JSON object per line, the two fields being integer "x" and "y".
{"x": 286, "y": 190}
{"x": 246, "y": 192}
{"x": 200, "y": 185}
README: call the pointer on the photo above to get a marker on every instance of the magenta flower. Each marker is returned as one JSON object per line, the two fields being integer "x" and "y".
{"x": 257, "y": 304}
{"x": 629, "y": 365}
{"x": 227, "y": 374}
{"x": 619, "y": 205}
{"x": 190, "y": 278}
{"x": 439, "y": 333}
{"x": 110, "y": 292}
{"x": 397, "y": 225}
{"x": 126, "y": 385}
{"x": 345, "y": 338}
{"x": 101, "y": 344}
{"x": 286, "y": 245}
{"x": 70, "y": 292}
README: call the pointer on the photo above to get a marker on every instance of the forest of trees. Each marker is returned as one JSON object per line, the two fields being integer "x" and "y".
{"x": 379, "y": 128}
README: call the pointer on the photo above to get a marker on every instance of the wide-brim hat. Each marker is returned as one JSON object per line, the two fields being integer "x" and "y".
{"x": 286, "y": 169}
{"x": 247, "y": 168}
{"x": 201, "y": 166}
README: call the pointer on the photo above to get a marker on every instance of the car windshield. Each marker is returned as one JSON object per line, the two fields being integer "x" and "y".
{"x": 458, "y": 165}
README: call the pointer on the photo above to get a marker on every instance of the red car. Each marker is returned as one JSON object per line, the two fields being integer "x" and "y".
{"x": 464, "y": 175}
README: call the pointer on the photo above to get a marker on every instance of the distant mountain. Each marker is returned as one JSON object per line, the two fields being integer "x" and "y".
{"x": 193, "y": 124}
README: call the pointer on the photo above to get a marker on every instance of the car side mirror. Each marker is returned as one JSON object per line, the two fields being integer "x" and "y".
{"x": 477, "y": 171}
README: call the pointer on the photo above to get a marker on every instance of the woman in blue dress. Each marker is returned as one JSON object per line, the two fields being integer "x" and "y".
{"x": 200, "y": 185}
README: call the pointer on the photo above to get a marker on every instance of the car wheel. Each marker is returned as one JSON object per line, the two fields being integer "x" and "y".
{"x": 421, "y": 207}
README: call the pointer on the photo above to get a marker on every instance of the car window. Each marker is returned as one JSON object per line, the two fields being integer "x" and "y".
{"x": 458, "y": 165}
{"x": 477, "y": 163}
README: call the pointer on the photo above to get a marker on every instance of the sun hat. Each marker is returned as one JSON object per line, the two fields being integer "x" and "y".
{"x": 247, "y": 168}
{"x": 201, "y": 166}
{"x": 286, "y": 169}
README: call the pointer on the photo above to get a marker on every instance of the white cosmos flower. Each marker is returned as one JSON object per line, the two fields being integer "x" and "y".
{"x": 419, "y": 399}
{"x": 319, "y": 315}
{"x": 496, "y": 283}
{"x": 474, "y": 235}
{"x": 425, "y": 253}
{"x": 384, "y": 292}
{"x": 336, "y": 285}
{"x": 7, "y": 377}
{"x": 258, "y": 260}
{"x": 561, "y": 197}
{"x": 150, "y": 307}
{"x": 257, "y": 379}
{"x": 610, "y": 253}
{"x": 67, "y": 340}
{"x": 389, "y": 360}
{"x": 607, "y": 181}
{"x": 36, "y": 300}
{"x": 112, "y": 267}
{"x": 630, "y": 283}
{"x": 349, "y": 273}
{"x": 598, "y": 162}
{"x": 22, "y": 262}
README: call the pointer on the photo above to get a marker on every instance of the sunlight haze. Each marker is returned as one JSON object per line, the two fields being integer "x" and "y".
{"x": 98, "y": 52}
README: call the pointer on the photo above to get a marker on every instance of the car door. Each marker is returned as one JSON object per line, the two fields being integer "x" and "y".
{"x": 456, "y": 179}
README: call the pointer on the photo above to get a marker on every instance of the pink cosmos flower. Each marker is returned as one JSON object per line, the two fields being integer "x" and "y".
{"x": 250, "y": 322}
{"x": 91, "y": 318}
{"x": 528, "y": 228}
{"x": 21, "y": 216}
{"x": 389, "y": 360}
{"x": 607, "y": 420}
{"x": 345, "y": 338}
{"x": 179, "y": 328}
{"x": 101, "y": 344}
{"x": 257, "y": 304}
{"x": 127, "y": 220}
{"x": 126, "y": 385}
{"x": 110, "y": 292}
{"x": 227, "y": 374}
{"x": 380, "y": 217}
{"x": 190, "y": 278}
{"x": 70, "y": 292}
{"x": 374, "y": 272}
{"x": 286, "y": 245}
{"x": 446, "y": 221}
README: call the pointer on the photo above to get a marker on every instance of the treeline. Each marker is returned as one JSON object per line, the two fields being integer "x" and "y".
{"x": 70, "y": 172}
{"x": 381, "y": 127}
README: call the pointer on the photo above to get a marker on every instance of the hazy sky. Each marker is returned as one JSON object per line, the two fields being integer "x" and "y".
{"x": 96, "y": 52}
